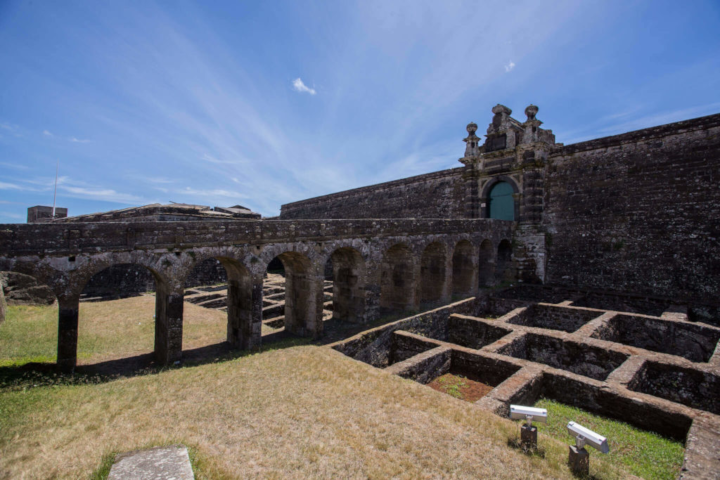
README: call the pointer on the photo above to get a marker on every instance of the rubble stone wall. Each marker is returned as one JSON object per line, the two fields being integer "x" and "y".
{"x": 434, "y": 195}
{"x": 638, "y": 212}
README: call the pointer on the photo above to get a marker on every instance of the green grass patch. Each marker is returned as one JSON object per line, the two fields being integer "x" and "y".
{"x": 29, "y": 334}
{"x": 646, "y": 454}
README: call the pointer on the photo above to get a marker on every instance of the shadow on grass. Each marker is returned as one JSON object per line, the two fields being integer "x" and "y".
{"x": 45, "y": 374}
{"x": 515, "y": 443}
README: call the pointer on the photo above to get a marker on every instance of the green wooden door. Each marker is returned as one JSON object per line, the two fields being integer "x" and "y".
{"x": 501, "y": 204}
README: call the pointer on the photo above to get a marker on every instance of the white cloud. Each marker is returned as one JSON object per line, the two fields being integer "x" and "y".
{"x": 77, "y": 140}
{"x": 10, "y": 186}
{"x": 212, "y": 193}
{"x": 14, "y": 166}
{"x": 105, "y": 194}
{"x": 11, "y": 215}
{"x": 301, "y": 87}
{"x": 509, "y": 66}
{"x": 47, "y": 134}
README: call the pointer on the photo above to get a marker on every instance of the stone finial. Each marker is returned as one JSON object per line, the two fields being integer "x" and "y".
{"x": 531, "y": 111}
{"x": 501, "y": 109}
{"x": 472, "y": 141}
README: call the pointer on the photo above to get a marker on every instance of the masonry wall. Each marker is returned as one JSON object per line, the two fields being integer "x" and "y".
{"x": 434, "y": 195}
{"x": 638, "y": 212}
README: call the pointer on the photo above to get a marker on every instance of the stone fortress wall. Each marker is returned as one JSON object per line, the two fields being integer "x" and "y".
{"x": 441, "y": 194}
{"x": 636, "y": 213}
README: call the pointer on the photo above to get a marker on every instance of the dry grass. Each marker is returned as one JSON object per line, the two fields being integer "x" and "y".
{"x": 301, "y": 412}
{"x": 107, "y": 331}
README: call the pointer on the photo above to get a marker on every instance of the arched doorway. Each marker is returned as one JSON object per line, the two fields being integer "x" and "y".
{"x": 500, "y": 202}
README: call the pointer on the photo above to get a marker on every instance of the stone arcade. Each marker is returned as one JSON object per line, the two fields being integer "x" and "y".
{"x": 616, "y": 241}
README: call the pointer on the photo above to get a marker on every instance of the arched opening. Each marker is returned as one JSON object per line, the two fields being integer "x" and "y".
{"x": 486, "y": 267}
{"x": 119, "y": 281}
{"x": 118, "y": 315}
{"x": 219, "y": 294}
{"x": 463, "y": 268}
{"x": 503, "y": 268}
{"x": 397, "y": 280}
{"x": 432, "y": 273}
{"x": 29, "y": 328}
{"x": 500, "y": 202}
{"x": 348, "y": 275}
{"x": 301, "y": 311}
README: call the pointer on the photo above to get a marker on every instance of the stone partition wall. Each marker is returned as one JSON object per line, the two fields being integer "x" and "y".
{"x": 433, "y": 195}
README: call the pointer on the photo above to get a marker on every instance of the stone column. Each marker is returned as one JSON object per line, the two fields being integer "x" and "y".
{"x": 3, "y": 305}
{"x": 447, "y": 287}
{"x": 68, "y": 310}
{"x": 372, "y": 290}
{"x": 168, "y": 324}
{"x": 245, "y": 302}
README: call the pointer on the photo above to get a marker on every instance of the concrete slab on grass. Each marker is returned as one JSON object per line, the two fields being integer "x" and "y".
{"x": 161, "y": 463}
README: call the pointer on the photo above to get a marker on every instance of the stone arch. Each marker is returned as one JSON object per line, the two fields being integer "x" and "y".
{"x": 486, "y": 264}
{"x": 398, "y": 280}
{"x": 503, "y": 264}
{"x": 488, "y": 188}
{"x": 433, "y": 273}
{"x": 463, "y": 268}
{"x": 303, "y": 294}
{"x": 240, "y": 302}
{"x": 349, "y": 277}
{"x": 168, "y": 307}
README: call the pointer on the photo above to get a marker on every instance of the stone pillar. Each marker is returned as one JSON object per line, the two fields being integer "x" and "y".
{"x": 3, "y": 305}
{"x": 168, "y": 324}
{"x": 303, "y": 303}
{"x": 372, "y": 290}
{"x": 68, "y": 311}
{"x": 245, "y": 301}
{"x": 447, "y": 288}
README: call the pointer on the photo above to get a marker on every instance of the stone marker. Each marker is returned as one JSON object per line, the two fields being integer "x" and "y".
{"x": 160, "y": 463}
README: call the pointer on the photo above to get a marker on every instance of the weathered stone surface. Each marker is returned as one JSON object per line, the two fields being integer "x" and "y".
{"x": 3, "y": 305}
{"x": 22, "y": 289}
{"x": 161, "y": 463}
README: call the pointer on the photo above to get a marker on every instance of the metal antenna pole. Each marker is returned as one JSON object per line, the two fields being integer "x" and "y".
{"x": 57, "y": 169}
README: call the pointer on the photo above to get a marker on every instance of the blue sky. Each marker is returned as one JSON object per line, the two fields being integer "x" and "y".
{"x": 199, "y": 102}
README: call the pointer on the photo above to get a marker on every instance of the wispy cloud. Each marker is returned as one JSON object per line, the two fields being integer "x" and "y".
{"x": 12, "y": 215}
{"x": 9, "y": 186}
{"x": 105, "y": 194}
{"x": 509, "y": 67}
{"x": 78, "y": 140}
{"x": 47, "y": 133}
{"x": 14, "y": 166}
{"x": 299, "y": 86}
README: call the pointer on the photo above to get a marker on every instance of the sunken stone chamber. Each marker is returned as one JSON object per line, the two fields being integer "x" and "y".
{"x": 694, "y": 388}
{"x": 574, "y": 357}
{"x": 694, "y": 342}
{"x": 490, "y": 371}
{"x": 554, "y": 318}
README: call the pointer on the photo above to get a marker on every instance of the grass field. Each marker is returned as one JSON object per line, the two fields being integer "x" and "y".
{"x": 645, "y": 454}
{"x": 292, "y": 412}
